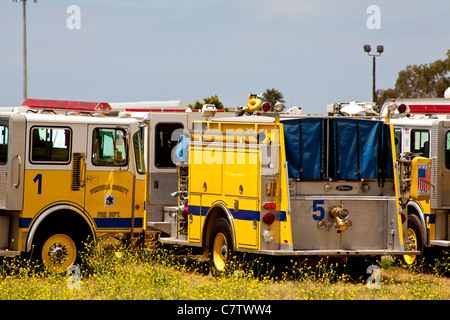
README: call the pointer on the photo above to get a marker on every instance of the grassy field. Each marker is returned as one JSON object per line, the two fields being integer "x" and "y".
{"x": 126, "y": 274}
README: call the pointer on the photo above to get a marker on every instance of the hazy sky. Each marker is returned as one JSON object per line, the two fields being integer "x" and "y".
{"x": 134, "y": 50}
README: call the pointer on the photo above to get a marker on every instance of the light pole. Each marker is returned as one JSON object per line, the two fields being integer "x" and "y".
{"x": 25, "y": 72}
{"x": 380, "y": 50}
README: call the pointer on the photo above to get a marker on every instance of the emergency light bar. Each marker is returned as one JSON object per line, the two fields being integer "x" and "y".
{"x": 429, "y": 108}
{"x": 417, "y": 106}
{"x": 67, "y": 105}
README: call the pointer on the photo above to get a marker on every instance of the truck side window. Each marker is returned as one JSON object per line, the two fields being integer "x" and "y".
{"x": 109, "y": 147}
{"x": 138, "y": 143}
{"x": 398, "y": 141}
{"x": 165, "y": 141}
{"x": 447, "y": 150}
{"x": 50, "y": 144}
{"x": 420, "y": 141}
{"x": 3, "y": 144}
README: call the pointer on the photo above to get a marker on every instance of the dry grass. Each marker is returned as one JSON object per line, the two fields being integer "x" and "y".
{"x": 154, "y": 274}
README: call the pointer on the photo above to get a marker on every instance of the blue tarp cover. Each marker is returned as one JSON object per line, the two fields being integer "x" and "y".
{"x": 304, "y": 140}
{"x": 355, "y": 149}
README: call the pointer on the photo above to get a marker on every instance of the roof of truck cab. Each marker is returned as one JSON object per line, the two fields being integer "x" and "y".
{"x": 67, "y": 119}
{"x": 408, "y": 122}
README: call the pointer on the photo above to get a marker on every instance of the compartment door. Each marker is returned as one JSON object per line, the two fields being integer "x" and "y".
{"x": 12, "y": 159}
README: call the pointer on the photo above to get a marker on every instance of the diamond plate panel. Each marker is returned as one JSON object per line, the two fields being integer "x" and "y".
{"x": 374, "y": 224}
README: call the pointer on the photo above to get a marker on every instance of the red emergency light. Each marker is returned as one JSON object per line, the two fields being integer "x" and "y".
{"x": 67, "y": 105}
{"x": 429, "y": 108}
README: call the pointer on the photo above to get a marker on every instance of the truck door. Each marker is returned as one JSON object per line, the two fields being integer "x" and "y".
{"x": 109, "y": 182}
{"x": 163, "y": 134}
{"x": 12, "y": 147}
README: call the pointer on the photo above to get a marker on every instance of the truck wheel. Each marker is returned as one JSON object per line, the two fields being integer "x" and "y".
{"x": 413, "y": 239}
{"x": 221, "y": 244}
{"x": 57, "y": 252}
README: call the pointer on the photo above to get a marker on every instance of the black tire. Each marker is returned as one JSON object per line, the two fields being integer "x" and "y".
{"x": 220, "y": 245}
{"x": 64, "y": 254}
{"x": 414, "y": 238}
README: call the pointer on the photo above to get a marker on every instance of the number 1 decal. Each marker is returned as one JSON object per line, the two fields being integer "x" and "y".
{"x": 38, "y": 179}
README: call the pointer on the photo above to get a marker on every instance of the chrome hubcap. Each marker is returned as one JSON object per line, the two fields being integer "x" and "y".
{"x": 58, "y": 253}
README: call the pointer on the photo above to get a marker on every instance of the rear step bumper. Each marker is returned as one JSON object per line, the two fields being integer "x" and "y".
{"x": 9, "y": 253}
{"x": 330, "y": 253}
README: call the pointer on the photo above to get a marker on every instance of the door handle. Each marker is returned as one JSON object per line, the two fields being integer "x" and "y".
{"x": 19, "y": 158}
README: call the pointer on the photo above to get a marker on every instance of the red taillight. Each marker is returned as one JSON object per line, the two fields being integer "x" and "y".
{"x": 270, "y": 206}
{"x": 186, "y": 209}
{"x": 268, "y": 218}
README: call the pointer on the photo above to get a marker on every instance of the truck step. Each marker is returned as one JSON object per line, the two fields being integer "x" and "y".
{"x": 440, "y": 243}
{"x": 9, "y": 253}
{"x": 163, "y": 226}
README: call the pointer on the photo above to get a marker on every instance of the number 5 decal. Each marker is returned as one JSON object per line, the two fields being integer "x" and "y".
{"x": 321, "y": 211}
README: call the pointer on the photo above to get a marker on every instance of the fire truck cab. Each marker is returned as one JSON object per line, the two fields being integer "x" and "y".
{"x": 66, "y": 178}
{"x": 425, "y": 132}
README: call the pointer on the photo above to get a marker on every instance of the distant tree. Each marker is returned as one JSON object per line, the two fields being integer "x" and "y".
{"x": 211, "y": 100}
{"x": 419, "y": 81}
{"x": 272, "y": 96}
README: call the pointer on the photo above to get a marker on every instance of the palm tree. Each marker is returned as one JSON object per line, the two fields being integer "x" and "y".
{"x": 25, "y": 80}
{"x": 273, "y": 96}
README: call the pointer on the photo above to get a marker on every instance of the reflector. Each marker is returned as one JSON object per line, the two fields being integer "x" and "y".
{"x": 270, "y": 206}
{"x": 268, "y": 218}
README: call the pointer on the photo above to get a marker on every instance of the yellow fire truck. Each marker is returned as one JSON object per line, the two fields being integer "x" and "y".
{"x": 67, "y": 178}
{"x": 426, "y": 133}
{"x": 69, "y": 174}
{"x": 289, "y": 184}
